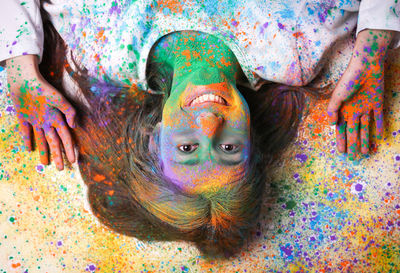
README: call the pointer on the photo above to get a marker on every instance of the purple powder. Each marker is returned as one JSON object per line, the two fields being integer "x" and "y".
{"x": 301, "y": 157}
{"x": 286, "y": 250}
{"x": 10, "y": 109}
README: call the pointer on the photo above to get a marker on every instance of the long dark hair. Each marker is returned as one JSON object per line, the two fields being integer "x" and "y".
{"x": 126, "y": 186}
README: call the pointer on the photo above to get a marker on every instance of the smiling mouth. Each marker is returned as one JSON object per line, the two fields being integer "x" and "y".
{"x": 207, "y": 98}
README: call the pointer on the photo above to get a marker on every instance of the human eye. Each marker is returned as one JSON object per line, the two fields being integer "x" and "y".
{"x": 229, "y": 148}
{"x": 188, "y": 148}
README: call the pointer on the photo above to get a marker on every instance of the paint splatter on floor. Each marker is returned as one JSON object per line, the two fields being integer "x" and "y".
{"x": 322, "y": 212}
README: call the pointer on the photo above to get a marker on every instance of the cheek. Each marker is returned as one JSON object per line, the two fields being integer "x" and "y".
{"x": 166, "y": 147}
{"x": 178, "y": 120}
{"x": 239, "y": 114}
{"x": 238, "y": 119}
{"x": 172, "y": 113}
{"x": 169, "y": 118}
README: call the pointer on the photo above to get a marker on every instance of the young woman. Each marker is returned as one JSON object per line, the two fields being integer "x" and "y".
{"x": 185, "y": 160}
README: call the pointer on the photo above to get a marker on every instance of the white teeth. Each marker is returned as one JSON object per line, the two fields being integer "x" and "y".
{"x": 208, "y": 98}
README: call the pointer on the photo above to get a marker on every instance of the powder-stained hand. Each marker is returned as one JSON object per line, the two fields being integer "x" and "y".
{"x": 359, "y": 95}
{"x": 41, "y": 107}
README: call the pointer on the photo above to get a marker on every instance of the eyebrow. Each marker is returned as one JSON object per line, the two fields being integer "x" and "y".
{"x": 194, "y": 161}
{"x": 231, "y": 162}
{"x": 184, "y": 132}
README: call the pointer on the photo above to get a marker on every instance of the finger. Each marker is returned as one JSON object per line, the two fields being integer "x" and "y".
{"x": 342, "y": 91}
{"x": 378, "y": 115}
{"x": 352, "y": 137}
{"x": 41, "y": 143}
{"x": 364, "y": 134}
{"x": 341, "y": 135}
{"x": 66, "y": 138}
{"x": 26, "y": 134}
{"x": 333, "y": 108}
{"x": 55, "y": 146}
{"x": 58, "y": 101}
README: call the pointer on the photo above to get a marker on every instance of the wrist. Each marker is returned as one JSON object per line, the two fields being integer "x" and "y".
{"x": 25, "y": 67}
{"x": 24, "y": 62}
{"x": 372, "y": 45}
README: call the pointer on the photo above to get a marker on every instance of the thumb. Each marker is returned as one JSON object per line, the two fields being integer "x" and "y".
{"x": 341, "y": 93}
{"x": 333, "y": 107}
{"x": 58, "y": 101}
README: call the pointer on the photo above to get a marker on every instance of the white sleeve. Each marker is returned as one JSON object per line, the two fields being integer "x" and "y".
{"x": 21, "y": 29}
{"x": 380, "y": 14}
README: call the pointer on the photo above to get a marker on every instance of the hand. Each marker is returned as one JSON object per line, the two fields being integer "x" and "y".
{"x": 359, "y": 94}
{"x": 357, "y": 98}
{"x": 39, "y": 105}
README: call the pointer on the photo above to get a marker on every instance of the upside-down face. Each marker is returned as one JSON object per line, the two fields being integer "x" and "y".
{"x": 204, "y": 135}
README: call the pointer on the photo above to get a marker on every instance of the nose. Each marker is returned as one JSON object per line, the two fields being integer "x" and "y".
{"x": 209, "y": 123}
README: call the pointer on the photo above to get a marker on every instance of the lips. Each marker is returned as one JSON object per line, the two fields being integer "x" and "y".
{"x": 207, "y": 98}
{"x": 213, "y": 94}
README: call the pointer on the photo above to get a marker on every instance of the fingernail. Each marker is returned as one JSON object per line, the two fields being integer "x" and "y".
{"x": 70, "y": 123}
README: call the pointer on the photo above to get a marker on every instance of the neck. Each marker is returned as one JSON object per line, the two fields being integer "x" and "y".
{"x": 198, "y": 58}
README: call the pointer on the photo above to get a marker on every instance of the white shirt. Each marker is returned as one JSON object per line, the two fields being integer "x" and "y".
{"x": 279, "y": 41}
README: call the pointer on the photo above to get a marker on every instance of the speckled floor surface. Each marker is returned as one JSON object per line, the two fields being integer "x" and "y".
{"x": 322, "y": 212}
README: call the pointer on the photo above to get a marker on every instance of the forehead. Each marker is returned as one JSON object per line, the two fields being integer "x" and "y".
{"x": 194, "y": 178}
